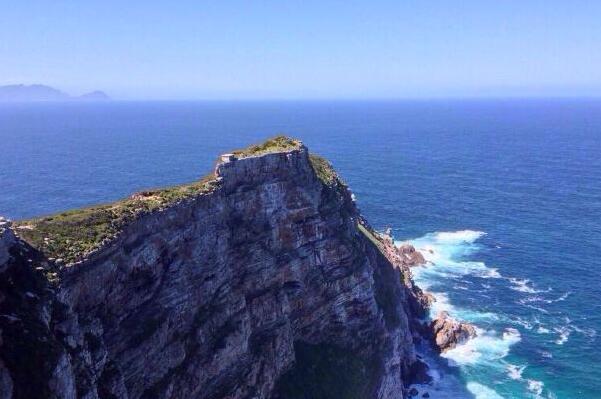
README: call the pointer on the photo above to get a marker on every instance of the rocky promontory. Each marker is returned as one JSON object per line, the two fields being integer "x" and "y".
{"x": 260, "y": 280}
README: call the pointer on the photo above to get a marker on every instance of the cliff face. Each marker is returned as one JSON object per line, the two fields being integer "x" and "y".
{"x": 222, "y": 294}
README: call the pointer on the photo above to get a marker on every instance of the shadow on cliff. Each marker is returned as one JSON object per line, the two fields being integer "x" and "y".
{"x": 29, "y": 350}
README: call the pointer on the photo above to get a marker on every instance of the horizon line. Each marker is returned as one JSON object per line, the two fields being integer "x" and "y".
{"x": 316, "y": 99}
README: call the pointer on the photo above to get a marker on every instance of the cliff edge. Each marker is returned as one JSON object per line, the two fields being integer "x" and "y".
{"x": 261, "y": 280}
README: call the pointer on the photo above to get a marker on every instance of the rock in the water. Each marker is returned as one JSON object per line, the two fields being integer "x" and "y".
{"x": 447, "y": 332}
{"x": 412, "y": 256}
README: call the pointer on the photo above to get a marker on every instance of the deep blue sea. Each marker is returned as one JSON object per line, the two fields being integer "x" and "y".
{"x": 503, "y": 196}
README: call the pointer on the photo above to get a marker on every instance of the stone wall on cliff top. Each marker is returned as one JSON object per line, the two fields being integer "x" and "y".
{"x": 211, "y": 296}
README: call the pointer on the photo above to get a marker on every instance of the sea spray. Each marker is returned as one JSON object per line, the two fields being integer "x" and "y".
{"x": 480, "y": 360}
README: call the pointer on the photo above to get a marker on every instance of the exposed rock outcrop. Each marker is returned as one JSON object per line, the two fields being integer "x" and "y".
{"x": 221, "y": 293}
{"x": 7, "y": 240}
{"x": 448, "y": 332}
{"x": 411, "y": 256}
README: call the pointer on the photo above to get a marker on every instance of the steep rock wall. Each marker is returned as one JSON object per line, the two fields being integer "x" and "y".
{"x": 207, "y": 298}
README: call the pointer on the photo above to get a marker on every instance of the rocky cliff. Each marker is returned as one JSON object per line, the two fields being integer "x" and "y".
{"x": 260, "y": 281}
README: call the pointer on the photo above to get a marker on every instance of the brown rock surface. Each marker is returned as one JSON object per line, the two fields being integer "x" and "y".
{"x": 412, "y": 256}
{"x": 447, "y": 332}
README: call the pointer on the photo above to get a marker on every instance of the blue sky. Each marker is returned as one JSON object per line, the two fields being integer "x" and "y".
{"x": 304, "y": 49}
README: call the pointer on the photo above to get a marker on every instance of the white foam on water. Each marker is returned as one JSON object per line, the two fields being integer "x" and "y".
{"x": 536, "y": 387}
{"x": 563, "y": 297}
{"x": 564, "y": 334}
{"x": 515, "y": 372}
{"x": 461, "y": 287}
{"x": 525, "y": 285}
{"x": 588, "y": 332}
{"x": 537, "y": 308}
{"x": 444, "y": 246}
{"x": 529, "y": 299}
{"x": 539, "y": 298}
{"x": 445, "y": 253}
{"x": 564, "y": 331}
{"x": 542, "y": 330}
{"x": 458, "y": 237}
{"x": 486, "y": 348}
{"x": 492, "y": 273}
{"x": 482, "y": 392}
{"x": 523, "y": 322}
{"x": 451, "y": 386}
{"x": 441, "y": 304}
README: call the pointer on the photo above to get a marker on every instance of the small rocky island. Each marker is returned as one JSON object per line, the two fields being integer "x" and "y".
{"x": 37, "y": 92}
{"x": 260, "y": 280}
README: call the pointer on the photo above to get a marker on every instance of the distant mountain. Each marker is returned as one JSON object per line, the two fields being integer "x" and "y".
{"x": 23, "y": 93}
{"x": 31, "y": 93}
{"x": 96, "y": 95}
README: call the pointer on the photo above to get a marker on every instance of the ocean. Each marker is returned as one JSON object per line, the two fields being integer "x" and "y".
{"x": 502, "y": 196}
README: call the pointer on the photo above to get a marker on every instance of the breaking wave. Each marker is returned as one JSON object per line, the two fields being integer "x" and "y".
{"x": 448, "y": 274}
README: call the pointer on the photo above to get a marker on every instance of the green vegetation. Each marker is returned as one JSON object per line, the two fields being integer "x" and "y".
{"x": 276, "y": 144}
{"x": 327, "y": 371}
{"x": 324, "y": 170}
{"x": 72, "y": 234}
{"x": 371, "y": 235}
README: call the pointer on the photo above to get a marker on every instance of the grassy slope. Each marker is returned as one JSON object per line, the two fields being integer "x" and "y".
{"x": 70, "y": 235}
{"x": 275, "y": 144}
{"x": 324, "y": 170}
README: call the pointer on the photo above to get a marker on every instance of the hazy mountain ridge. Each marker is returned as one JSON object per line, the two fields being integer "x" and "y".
{"x": 38, "y": 92}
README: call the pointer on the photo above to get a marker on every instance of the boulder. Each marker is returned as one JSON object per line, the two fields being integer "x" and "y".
{"x": 411, "y": 256}
{"x": 448, "y": 332}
